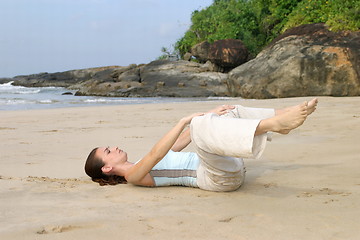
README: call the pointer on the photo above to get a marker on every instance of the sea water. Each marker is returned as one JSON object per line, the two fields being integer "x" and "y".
{"x": 24, "y": 98}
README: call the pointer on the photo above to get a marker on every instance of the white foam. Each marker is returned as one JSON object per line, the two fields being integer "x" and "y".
{"x": 104, "y": 100}
{"x": 15, "y": 102}
{"x": 11, "y": 89}
{"x": 220, "y": 98}
{"x": 46, "y": 101}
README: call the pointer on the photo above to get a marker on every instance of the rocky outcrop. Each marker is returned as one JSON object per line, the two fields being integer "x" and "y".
{"x": 308, "y": 60}
{"x": 65, "y": 79}
{"x": 226, "y": 54}
{"x": 182, "y": 78}
{"x": 159, "y": 78}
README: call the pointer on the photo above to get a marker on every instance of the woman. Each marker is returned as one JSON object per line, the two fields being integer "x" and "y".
{"x": 222, "y": 137}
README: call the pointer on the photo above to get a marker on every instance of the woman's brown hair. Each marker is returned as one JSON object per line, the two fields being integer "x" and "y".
{"x": 93, "y": 167}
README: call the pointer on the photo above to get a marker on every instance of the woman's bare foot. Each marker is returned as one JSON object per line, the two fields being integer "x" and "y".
{"x": 292, "y": 119}
{"x": 285, "y": 122}
{"x": 311, "y": 107}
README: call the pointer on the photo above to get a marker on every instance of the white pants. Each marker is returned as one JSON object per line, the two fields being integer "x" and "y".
{"x": 222, "y": 141}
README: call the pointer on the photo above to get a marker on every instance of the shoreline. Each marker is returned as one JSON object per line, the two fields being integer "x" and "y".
{"x": 127, "y": 101}
{"x": 305, "y": 186}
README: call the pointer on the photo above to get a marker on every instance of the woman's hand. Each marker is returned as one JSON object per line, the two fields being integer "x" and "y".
{"x": 221, "y": 110}
{"x": 188, "y": 119}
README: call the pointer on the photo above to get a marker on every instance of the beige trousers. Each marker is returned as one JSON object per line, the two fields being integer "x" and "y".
{"x": 222, "y": 141}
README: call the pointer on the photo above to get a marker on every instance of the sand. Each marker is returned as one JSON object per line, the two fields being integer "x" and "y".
{"x": 305, "y": 186}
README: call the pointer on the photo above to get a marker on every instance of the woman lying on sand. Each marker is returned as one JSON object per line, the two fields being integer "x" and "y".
{"x": 222, "y": 137}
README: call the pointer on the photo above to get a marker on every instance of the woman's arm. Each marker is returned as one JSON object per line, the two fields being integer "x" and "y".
{"x": 183, "y": 140}
{"x": 138, "y": 171}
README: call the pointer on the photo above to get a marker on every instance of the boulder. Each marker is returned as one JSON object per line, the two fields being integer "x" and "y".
{"x": 226, "y": 54}
{"x": 308, "y": 60}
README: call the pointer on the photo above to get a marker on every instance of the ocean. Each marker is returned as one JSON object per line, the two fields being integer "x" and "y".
{"x": 25, "y": 98}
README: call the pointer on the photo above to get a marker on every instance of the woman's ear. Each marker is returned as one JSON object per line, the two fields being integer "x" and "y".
{"x": 106, "y": 169}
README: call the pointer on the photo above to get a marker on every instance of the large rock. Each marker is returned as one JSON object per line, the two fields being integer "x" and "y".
{"x": 308, "y": 60}
{"x": 227, "y": 53}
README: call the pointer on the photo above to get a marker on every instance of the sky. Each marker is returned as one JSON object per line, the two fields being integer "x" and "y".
{"x": 59, "y": 35}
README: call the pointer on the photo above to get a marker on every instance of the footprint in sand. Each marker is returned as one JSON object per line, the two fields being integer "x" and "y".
{"x": 63, "y": 228}
{"x": 270, "y": 185}
{"x": 57, "y": 229}
{"x": 226, "y": 220}
{"x": 322, "y": 192}
{"x": 49, "y": 131}
{"x": 133, "y": 137}
{"x": 7, "y": 128}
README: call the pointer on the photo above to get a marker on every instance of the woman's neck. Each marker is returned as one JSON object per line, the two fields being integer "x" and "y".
{"x": 122, "y": 169}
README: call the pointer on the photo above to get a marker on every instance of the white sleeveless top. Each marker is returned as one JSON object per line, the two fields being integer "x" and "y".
{"x": 176, "y": 168}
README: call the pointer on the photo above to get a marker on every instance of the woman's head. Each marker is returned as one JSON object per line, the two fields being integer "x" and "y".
{"x": 93, "y": 168}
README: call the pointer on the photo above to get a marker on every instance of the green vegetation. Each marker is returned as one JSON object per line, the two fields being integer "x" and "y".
{"x": 257, "y": 22}
{"x": 337, "y": 14}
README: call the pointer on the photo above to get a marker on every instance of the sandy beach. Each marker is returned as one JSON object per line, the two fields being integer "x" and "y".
{"x": 305, "y": 186}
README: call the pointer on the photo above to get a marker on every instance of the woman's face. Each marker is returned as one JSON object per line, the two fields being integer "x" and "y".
{"x": 111, "y": 156}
